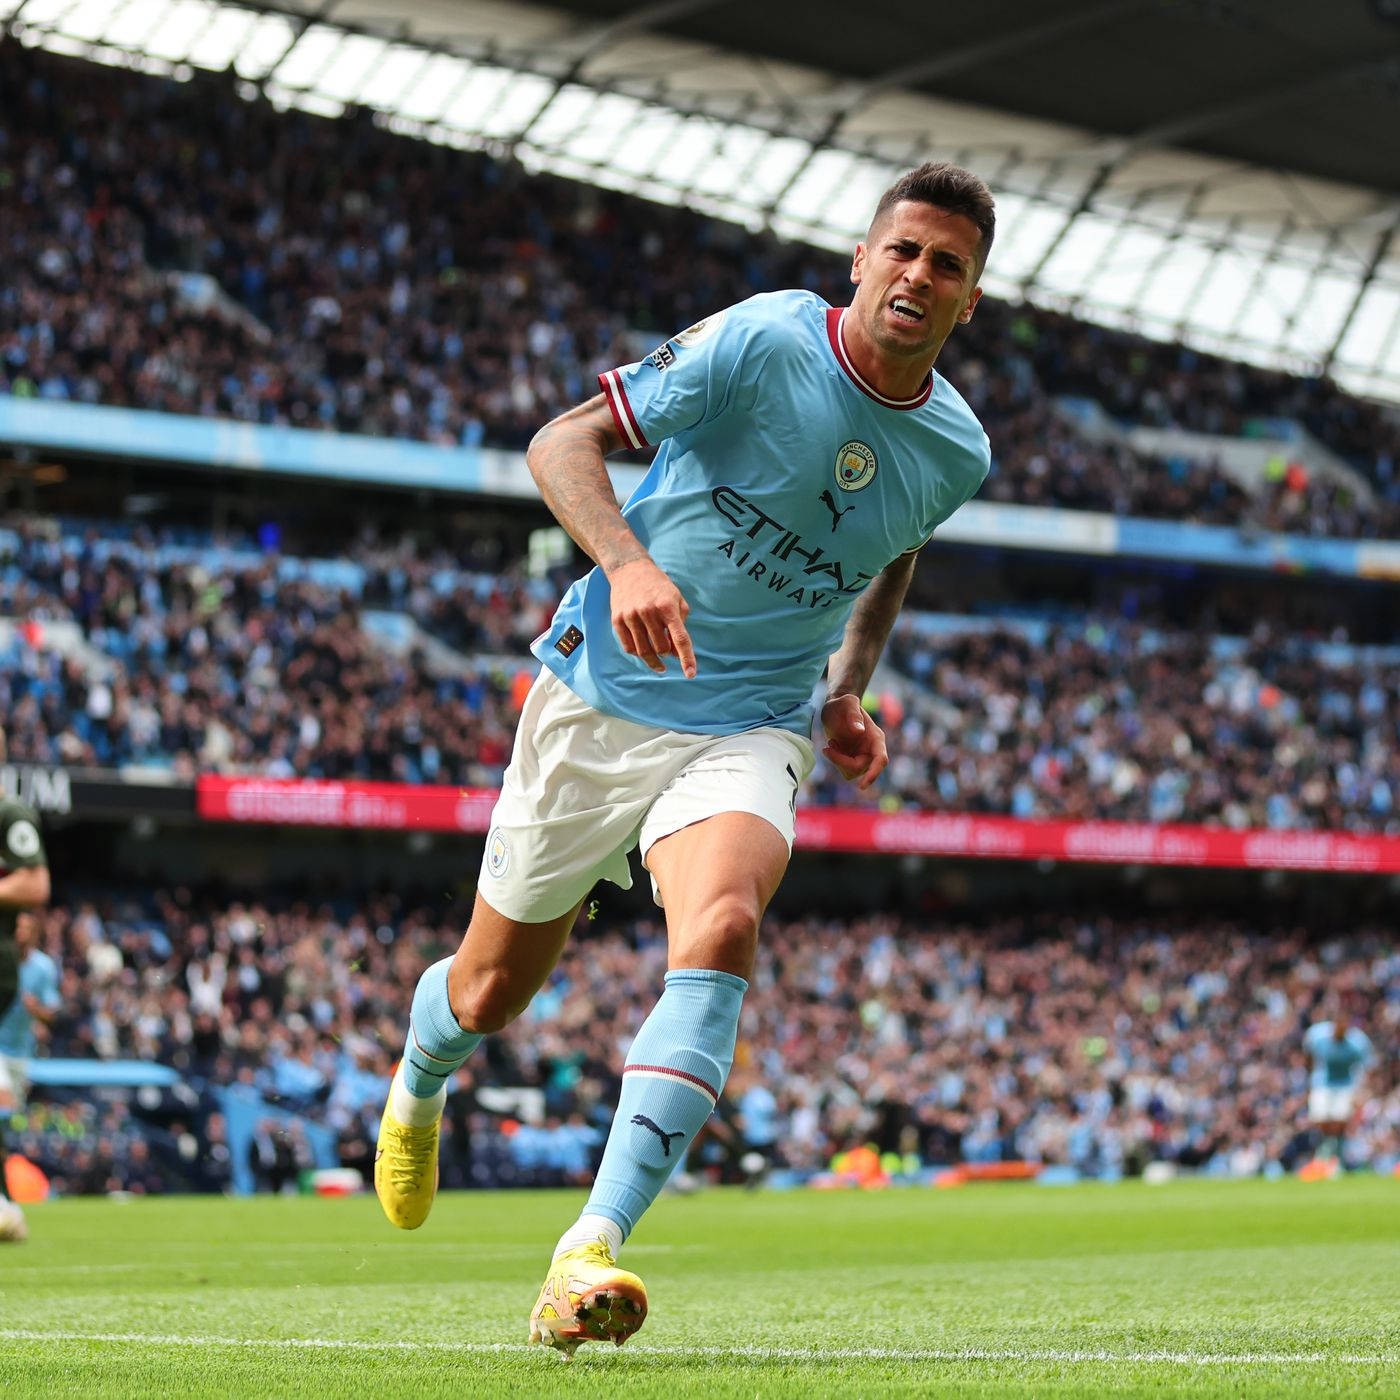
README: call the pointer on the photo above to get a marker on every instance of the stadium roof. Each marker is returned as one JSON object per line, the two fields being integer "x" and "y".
{"x": 1223, "y": 171}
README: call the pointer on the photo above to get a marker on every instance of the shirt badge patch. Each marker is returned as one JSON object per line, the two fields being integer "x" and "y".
{"x": 701, "y": 330}
{"x": 663, "y": 357}
{"x": 855, "y": 466}
{"x": 23, "y": 839}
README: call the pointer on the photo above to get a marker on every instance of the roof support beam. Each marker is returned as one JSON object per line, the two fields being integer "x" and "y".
{"x": 1286, "y": 228}
{"x": 595, "y": 39}
{"x": 644, "y": 17}
{"x": 1183, "y": 324}
{"x": 848, "y": 96}
{"x": 300, "y": 25}
{"x": 1379, "y": 254}
{"x": 14, "y": 17}
{"x": 1085, "y": 202}
{"x": 1293, "y": 89}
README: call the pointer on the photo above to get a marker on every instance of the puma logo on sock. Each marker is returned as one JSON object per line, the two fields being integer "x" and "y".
{"x": 642, "y": 1121}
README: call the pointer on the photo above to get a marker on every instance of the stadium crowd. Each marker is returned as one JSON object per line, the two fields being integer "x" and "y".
{"x": 1095, "y": 1042}
{"x": 1103, "y": 719}
{"x": 231, "y": 661}
{"x": 172, "y": 246}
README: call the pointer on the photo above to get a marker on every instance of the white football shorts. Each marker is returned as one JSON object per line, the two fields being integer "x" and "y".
{"x": 1328, "y": 1105}
{"x": 14, "y": 1083}
{"x": 584, "y": 788}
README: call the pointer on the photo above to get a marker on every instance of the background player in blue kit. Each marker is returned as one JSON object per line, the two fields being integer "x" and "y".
{"x": 806, "y": 453}
{"x": 28, "y": 977}
{"x": 1340, "y": 1053}
{"x": 36, "y": 999}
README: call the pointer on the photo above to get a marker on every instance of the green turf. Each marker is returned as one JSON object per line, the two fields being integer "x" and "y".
{"x": 1193, "y": 1288}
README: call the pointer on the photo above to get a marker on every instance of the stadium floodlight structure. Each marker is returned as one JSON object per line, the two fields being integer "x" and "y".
{"x": 1265, "y": 265}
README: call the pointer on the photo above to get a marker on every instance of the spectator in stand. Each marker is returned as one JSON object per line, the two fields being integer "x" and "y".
{"x": 1102, "y": 1043}
{"x": 229, "y": 663}
{"x": 331, "y": 275}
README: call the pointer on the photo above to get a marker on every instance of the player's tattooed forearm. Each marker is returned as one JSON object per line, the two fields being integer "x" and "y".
{"x": 868, "y": 629}
{"x": 568, "y": 468}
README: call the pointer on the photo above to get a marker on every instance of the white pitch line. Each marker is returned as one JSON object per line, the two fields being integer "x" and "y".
{"x": 754, "y": 1353}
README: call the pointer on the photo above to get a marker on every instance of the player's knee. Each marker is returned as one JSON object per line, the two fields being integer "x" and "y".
{"x": 486, "y": 1000}
{"x": 727, "y": 936}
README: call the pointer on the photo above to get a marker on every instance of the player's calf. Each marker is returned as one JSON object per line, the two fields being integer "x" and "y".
{"x": 406, "y": 1158}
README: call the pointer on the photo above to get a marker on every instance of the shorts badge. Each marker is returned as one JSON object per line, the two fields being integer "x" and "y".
{"x": 497, "y": 853}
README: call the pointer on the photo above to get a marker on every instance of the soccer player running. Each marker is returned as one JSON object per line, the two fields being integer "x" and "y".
{"x": 28, "y": 977}
{"x": 1340, "y": 1052}
{"x": 806, "y": 454}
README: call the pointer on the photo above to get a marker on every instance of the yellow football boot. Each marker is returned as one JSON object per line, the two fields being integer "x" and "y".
{"x": 587, "y": 1298}
{"x": 405, "y": 1169}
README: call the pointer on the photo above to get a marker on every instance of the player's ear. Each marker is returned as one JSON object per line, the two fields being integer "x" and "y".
{"x": 965, "y": 315}
{"x": 857, "y": 263}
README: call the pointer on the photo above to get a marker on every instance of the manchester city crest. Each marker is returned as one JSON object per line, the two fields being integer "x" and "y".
{"x": 497, "y": 853}
{"x": 855, "y": 466}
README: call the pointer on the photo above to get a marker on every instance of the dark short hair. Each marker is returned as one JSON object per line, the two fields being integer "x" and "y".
{"x": 950, "y": 188}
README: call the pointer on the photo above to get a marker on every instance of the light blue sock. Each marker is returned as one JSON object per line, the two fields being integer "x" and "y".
{"x": 437, "y": 1046}
{"x": 675, "y": 1071}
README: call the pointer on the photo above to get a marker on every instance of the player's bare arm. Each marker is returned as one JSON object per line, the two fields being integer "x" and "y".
{"x": 855, "y": 743}
{"x": 24, "y": 888}
{"x": 38, "y": 1010}
{"x": 566, "y": 458}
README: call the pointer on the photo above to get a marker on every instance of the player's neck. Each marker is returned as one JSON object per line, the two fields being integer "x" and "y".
{"x": 893, "y": 376}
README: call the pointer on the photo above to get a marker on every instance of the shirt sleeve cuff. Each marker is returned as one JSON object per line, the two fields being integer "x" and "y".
{"x": 610, "y": 381}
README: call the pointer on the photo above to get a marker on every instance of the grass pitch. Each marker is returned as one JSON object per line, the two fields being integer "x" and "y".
{"x": 1193, "y": 1288}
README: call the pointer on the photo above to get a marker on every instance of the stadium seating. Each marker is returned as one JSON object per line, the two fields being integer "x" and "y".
{"x": 333, "y": 275}
{"x": 205, "y": 658}
{"x": 1098, "y": 1042}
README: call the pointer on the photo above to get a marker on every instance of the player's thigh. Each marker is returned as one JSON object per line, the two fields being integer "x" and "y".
{"x": 571, "y": 805}
{"x": 501, "y": 964}
{"x": 714, "y": 879}
{"x": 13, "y": 1083}
{"x": 717, "y": 841}
{"x": 1329, "y": 1104}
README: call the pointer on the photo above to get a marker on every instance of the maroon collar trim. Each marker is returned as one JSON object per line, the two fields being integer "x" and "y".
{"x": 835, "y": 315}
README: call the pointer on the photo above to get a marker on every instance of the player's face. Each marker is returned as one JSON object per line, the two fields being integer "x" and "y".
{"x": 26, "y": 932}
{"x": 916, "y": 278}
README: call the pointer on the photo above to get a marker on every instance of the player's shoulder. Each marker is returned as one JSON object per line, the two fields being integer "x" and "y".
{"x": 777, "y": 318}
{"x": 13, "y": 810}
{"x": 1317, "y": 1031}
{"x": 961, "y": 428}
{"x": 43, "y": 964}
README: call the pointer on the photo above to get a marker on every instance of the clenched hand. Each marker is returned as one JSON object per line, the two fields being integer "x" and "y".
{"x": 855, "y": 743}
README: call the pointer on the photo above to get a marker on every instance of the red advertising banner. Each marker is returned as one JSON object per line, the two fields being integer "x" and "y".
{"x": 1114, "y": 843}
{"x": 399, "y": 807}
{"x": 313, "y": 802}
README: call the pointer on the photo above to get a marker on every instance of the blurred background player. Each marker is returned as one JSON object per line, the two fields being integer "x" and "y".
{"x": 1340, "y": 1052}
{"x": 28, "y": 978}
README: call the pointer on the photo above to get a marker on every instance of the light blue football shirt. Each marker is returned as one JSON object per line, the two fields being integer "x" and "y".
{"x": 38, "y": 977}
{"x": 783, "y": 485}
{"x": 1337, "y": 1064}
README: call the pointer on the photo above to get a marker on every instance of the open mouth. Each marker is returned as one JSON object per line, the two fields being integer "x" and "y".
{"x": 911, "y": 313}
